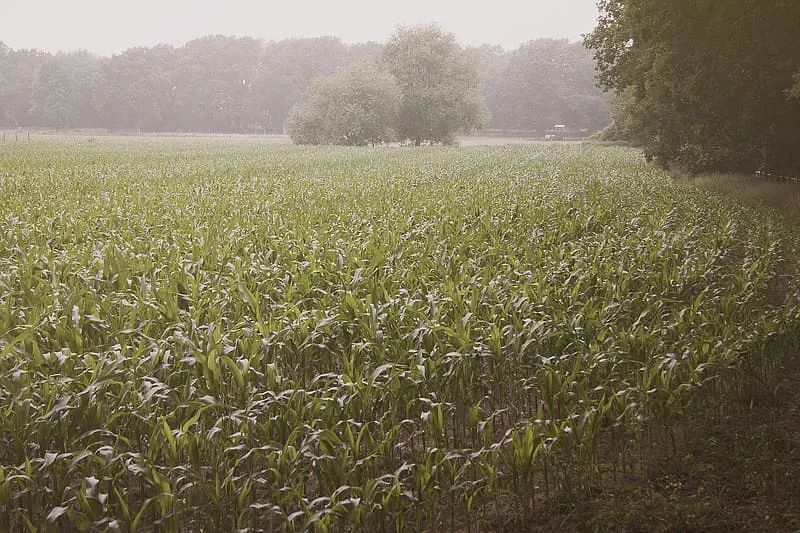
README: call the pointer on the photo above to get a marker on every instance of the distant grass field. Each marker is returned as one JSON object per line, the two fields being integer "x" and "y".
{"x": 220, "y": 334}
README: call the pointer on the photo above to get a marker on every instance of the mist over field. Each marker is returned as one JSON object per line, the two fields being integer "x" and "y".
{"x": 343, "y": 266}
{"x": 107, "y": 28}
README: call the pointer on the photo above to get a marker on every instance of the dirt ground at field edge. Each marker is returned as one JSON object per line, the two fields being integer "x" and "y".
{"x": 738, "y": 472}
{"x": 741, "y": 473}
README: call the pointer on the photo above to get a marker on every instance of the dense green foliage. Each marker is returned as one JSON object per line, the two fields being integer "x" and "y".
{"x": 62, "y": 92}
{"x": 18, "y": 72}
{"x": 439, "y": 85}
{"x": 542, "y": 83}
{"x": 627, "y": 119}
{"x": 243, "y": 85}
{"x": 210, "y": 335}
{"x": 426, "y": 89}
{"x": 710, "y": 79}
{"x": 356, "y": 106}
{"x": 216, "y": 83}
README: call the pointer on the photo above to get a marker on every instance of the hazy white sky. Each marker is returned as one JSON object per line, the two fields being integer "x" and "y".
{"x": 108, "y": 26}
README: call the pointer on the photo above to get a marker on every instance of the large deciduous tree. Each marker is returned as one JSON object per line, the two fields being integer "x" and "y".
{"x": 356, "y": 106}
{"x": 439, "y": 82}
{"x": 708, "y": 81}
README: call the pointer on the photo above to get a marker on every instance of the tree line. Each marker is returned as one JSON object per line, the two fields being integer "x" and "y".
{"x": 704, "y": 85}
{"x": 244, "y": 85}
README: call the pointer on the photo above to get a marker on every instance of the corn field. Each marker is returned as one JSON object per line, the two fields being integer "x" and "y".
{"x": 221, "y": 335}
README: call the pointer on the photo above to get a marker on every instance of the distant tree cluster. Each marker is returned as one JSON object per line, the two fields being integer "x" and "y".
{"x": 421, "y": 86}
{"x": 424, "y": 88}
{"x": 704, "y": 85}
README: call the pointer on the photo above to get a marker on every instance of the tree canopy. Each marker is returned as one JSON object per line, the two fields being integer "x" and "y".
{"x": 18, "y": 72}
{"x": 356, "y": 106}
{"x": 215, "y": 83}
{"x": 62, "y": 91}
{"x": 709, "y": 82}
{"x": 543, "y": 82}
{"x": 439, "y": 84}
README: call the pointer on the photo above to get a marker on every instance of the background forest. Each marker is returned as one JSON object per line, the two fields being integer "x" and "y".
{"x": 243, "y": 85}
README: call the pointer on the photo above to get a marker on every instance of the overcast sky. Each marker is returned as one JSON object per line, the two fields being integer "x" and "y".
{"x": 109, "y": 26}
